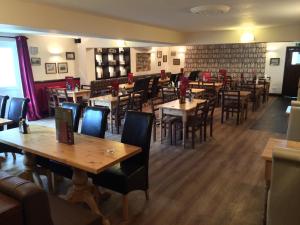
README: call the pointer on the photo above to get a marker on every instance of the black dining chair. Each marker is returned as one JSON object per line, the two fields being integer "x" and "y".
{"x": 131, "y": 174}
{"x": 17, "y": 110}
{"x": 94, "y": 123}
{"x": 3, "y": 101}
{"x": 76, "y": 112}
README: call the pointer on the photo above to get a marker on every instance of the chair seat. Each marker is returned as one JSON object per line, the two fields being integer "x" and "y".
{"x": 65, "y": 213}
{"x": 121, "y": 180}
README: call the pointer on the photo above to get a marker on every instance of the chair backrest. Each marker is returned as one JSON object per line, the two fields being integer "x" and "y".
{"x": 136, "y": 102}
{"x": 17, "y": 109}
{"x": 293, "y": 130}
{"x": 3, "y": 101}
{"x": 193, "y": 75}
{"x": 211, "y": 106}
{"x": 61, "y": 95}
{"x": 155, "y": 87}
{"x": 123, "y": 104}
{"x": 137, "y": 131}
{"x": 231, "y": 97}
{"x": 155, "y": 102}
{"x": 284, "y": 195}
{"x": 202, "y": 110}
{"x": 94, "y": 121}
{"x": 76, "y": 111}
{"x": 139, "y": 84}
{"x": 169, "y": 94}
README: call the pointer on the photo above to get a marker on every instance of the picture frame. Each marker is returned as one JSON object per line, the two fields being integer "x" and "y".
{"x": 176, "y": 62}
{"x": 165, "y": 58}
{"x": 274, "y": 61}
{"x": 159, "y": 54}
{"x": 70, "y": 55}
{"x": 159, "y": 63}
{"x": 35, "y": 61}
{"x": 62, "y": 67}
{"x": 50, "y": 68}
{"x": 173, "y": 53}
{"x": 33, "y": 50}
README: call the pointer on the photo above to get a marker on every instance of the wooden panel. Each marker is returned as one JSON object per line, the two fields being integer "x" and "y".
{"x": 88, "y": 153}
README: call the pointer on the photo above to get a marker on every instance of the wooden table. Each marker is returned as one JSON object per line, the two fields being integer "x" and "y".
{"x": 268, "y": 151}
{"x": 218, "y": 85}
{"x": 88, "y": 154}
{"x": 163, "y": 81}
{"x": 108, "y": 101}
{"x": 5, "y": 121}
{"x": 126, "y": 86}
{"x": 197, "y": 92}
{"x": 80, "y": 93}
{"x": 174, "y": 108}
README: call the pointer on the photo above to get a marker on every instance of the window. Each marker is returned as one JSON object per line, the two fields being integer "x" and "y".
{"x": 10, "y": 80}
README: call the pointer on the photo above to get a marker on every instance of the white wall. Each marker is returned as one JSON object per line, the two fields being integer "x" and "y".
{"x": 52, "y": 50}
{"x": 276, "y": 50}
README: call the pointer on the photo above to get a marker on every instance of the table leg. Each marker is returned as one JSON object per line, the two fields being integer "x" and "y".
{"x": 184, "y": 119}
{"x": 29, "y": 163}
{"x": 110, "y": 119}
{"x": 82, "y": 192}
{"x": 161, "y": 117}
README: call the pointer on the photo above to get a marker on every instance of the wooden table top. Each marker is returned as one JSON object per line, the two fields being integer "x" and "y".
{"x": 217, "y": 84}
{"x": 90, "y": 154}
{"x": 5, "y": 121}
{"x": 81, "y": 91}
{"x": 197, "y": 90}
{"x": 105, "y": 98}
{"x": 126, "y": 86}
{"x": 187, "y": 106}
{"x": 274, "y": 143}
{"x": 242, "y": 93}
{"x": 164, "y": 80}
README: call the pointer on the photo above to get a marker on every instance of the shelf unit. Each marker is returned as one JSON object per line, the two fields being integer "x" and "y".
{"x": 112, "y": 62}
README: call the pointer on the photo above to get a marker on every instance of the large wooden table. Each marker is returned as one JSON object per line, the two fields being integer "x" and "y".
{"x": 5, "y": 121}
{"x": 218, "y": 85}
{"x": 268, "y": 151}
{"x": 174, "y": 108}
{"x": 80, "y": 93}
{"x": 88, "y": 154}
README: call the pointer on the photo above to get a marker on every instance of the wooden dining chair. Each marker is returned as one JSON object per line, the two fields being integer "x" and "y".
{"x": 169, "y": 94}
{"x": 61, "y": 95}
{"x": 136, "y": 101}
{"x": 52, "y": 100}
{"x": 231, "y": 103}
{"x": 132, "y": 173}
{"x": 210, "y": 116}
{"x": 3, "y": 102}
{"x": 123, "y": 105}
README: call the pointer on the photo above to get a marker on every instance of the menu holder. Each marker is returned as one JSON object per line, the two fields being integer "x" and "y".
{"x": 64, "y": 126}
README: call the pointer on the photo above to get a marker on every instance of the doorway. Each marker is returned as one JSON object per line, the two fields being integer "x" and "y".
{"x": 291, "y": 72}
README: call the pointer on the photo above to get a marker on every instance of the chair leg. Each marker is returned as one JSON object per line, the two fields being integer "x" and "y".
{"x": 125, "y": 207}
{"x": 147, "y": 194}
{"x": 204, "y": 130}
{"x": 193, "y": 137}
{"x": 49, "y": 180}
{"x": 5, "y": 154}
{"x": 154, "y": 131}
{"x": 14, "y": 156}
{"x": 211, "y": 127}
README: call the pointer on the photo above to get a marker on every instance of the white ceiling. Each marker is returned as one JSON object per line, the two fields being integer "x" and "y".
{"x": 175, "y": 14}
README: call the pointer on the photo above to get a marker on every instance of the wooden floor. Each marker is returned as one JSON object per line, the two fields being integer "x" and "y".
{"x": 220, "y": 182}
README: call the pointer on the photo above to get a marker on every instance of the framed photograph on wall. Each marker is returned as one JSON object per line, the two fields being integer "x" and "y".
{"x": 173, "y": 53}
{"x": 35, "y": 61}
{"x": 165, "y": 58}
{"x": 159, "y": 64}
{"x": 274, "y": 61}
{"x": 176, "y": 62}
{"x": 159, "y": 54}
{"x": 50, "y": 68}
{"x": 70, "y": 55}
{"x": 62, "y": 67}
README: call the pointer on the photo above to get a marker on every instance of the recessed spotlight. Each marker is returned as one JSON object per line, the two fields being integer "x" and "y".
{"x": 210, "y": 9}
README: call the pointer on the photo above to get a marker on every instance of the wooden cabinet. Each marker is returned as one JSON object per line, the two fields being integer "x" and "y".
{"x": 112, "y": 62}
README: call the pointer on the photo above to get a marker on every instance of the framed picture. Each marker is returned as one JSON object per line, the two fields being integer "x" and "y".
{"x": 159, "y": 64}
{"x": 159, "y": 54}
{"x": 70, "y": 55}
{"x": 50, "y": 68}
{"x": 35, "y": 61}
{"x": 62, "y": 67}
{"x": 165, "y": 58}
{"x": 34, "y": 50}
{"x": 274, "y": 61}
{"x": 176, "y": 62}
{"x": 173, "y": 53}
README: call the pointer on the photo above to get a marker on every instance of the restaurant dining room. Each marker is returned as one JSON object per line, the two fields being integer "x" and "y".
{"x": 139, "y": 113}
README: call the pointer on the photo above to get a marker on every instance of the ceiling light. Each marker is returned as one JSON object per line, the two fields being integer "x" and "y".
{"x": 210, "y": 9}
{"x": 247, "y": 37}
